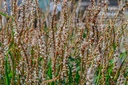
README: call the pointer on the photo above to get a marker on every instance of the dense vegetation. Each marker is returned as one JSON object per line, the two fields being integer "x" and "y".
{"x": 66, "y": 48}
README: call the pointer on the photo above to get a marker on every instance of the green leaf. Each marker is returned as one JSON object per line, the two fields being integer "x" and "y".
{"x": 10, "y": 75}
{"x": 84, "y": 35}
{"x": 40, "y": 59}
{"x": 49, "y": 72}
{"x": 77, "y": 79}
{"x": 111, "y": 61}
{"x": 7, "y": 80}
{"x": 6, "y": 15}
{"x": 114, "y": 46}
{"x": 3, "y": 14}
{"x": 0, "y": 44}
{"x": 70, "y": 73}
{"x": 122, "y": 55}
{"x": 97, "y": 75}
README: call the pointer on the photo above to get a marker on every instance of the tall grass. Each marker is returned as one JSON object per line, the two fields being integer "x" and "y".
{"x": 86, "y": 48}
